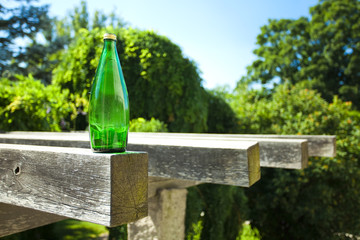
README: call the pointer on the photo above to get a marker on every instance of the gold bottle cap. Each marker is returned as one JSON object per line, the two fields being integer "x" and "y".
{"x": 110, "y": 36}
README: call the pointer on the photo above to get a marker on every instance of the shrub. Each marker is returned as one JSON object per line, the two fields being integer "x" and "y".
{"x": 143, "y": 125}
{"x": 27, "y": 105}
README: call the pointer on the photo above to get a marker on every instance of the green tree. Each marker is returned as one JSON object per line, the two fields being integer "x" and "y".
{"x": 47, "y": 37}
{"x": 321, "y": 201}
{"x": 39, "y": 58}
{"x": 322, "y": 50}
{"x": 80, "y": 17}
{"x": 221, "y": 118}
{"x": 215, "y": 211}
{"x": 21, "y": 21}
{"x": 99, "y": 20}
{"x": 161, "y": 82}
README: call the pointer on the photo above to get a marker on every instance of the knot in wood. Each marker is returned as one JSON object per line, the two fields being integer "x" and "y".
{"x": 17, "y": 170}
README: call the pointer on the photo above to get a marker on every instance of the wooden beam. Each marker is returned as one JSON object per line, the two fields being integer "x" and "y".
{"x": 225, "y": 162}
{"x": 108, "y": 189}
{"x": 55, "y": 139}
{"x": 274, "y": 152}
{"x": 229, "y": 163}
{"x": 14, "y": 219}
{"x": 318, "y": 145}
{"x": 222, "y": 162}
{"x": 278, "y": 153}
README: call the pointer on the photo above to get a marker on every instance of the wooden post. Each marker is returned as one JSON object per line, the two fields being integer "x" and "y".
{"x": 166, "y": 220}
{"x": 167, "y": 208}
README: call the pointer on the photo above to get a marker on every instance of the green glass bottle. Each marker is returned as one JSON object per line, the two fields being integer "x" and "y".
{"x": 109, "y": 103}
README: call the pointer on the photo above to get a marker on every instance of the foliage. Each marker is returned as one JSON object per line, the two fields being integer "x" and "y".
{"x": 27, "y": 105}
{"x": 194, "y": 213}
{"x": 45, "y": 38}
{"x": 77, "y": 230}
{"x": 161, "y": 82}
{"x": 251, "y": 109}
{"x": 80, "y": 19}
{"x": 78, "y": 66}
{"x": 42, "y": 54}
{"x": 324, "y": 51}
{"x": 248, "y": 233}
{"x": 322, "y": 200}
{"x": 221, "y": 118}
{"x": 196, "y": 228}
{"x": 69, "y": 53}
{"x": 64, "y": 230}
{"x": 143, "y": 125}
{"x": 22, "y": 20}
{"x": 219, "y": 209}
{"x": 164, "y": 84}
{"x": 118, "y": 233}
{"x": 48, "y": 38}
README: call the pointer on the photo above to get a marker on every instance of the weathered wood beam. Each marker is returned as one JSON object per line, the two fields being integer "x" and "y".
{"x": 318, "y": 145}
{"x": 108, "y": 189}
{"x": 278, "y": 153}
{"x": 223, "y": 162}
{"x": 14, "y": 219}
{"x": 55, "y": 139}
{"x": 26, "y": 218}
{"x": 274, "y": 152}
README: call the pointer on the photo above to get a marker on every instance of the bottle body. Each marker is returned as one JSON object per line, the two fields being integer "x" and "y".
{"x": 109, "y": 104}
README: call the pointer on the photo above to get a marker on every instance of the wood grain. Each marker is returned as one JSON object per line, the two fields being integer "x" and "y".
{"x": 108, "y": 189}
{"x": 275, "y": 151}
{"x": 318, "y": 145}
{"x": 223, "y": 162}
{"x": 222, "y": 165}
{"x": 14, "y": 219}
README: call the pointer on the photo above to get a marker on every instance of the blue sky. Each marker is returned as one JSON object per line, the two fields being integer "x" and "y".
{"x": 218, "y": 35}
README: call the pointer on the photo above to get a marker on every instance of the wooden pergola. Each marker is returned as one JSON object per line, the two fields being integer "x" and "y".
{"x": 47, "y": 177}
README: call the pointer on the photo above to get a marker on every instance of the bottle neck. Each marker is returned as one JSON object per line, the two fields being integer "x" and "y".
{"x": 109, "y": 44}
